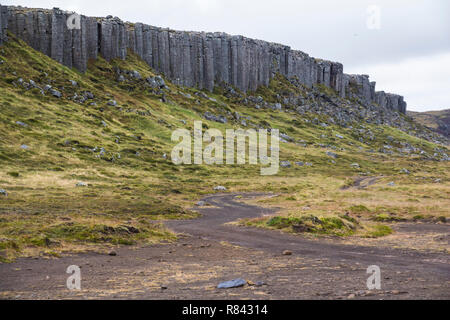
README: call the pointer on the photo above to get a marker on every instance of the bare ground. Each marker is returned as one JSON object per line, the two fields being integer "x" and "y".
{"x": 210, "y": 252}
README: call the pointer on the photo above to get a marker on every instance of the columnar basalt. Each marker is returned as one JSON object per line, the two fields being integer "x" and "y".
{"x": 191, "y": 59}
{"x": 3, "y": 23}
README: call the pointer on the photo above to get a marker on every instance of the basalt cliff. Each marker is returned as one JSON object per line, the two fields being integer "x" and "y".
{"x": 192, "y": 59}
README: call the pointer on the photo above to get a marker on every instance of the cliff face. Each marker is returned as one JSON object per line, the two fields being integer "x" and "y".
{"x": 192, "y": 59}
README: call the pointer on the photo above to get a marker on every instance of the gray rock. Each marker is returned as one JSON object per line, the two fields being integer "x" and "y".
{"x": 33, "y": 84}
{"x": 332, "y": 154}
{"x": 237, "y": 283}
{"x": 73, "y": 83}
{"x": 112, "y": 103}
{"x": 55, "y": 93}
{"x": 391, "y": 184}
{"x": 81, "y": 184}
{"x": 285, "y": 164}
{"x": 405, "y": 171}
{"x": 88, "y": 95}
{"x": 3, "y": 192}
{"x": 209, "y": 116}
{"x": 20, "y": 123}
{"x": 135, "y": 74}
{"x": 220, "y": 188}
{"x": 24, "y": 147}
{"x": 286, "y": 137}
{"x": 200, "y": 204}
{"x": 160, "y": 81}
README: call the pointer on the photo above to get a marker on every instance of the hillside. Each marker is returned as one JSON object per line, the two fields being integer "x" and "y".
{"x": 86, "y": 156}
{"x": 438, "y": 121}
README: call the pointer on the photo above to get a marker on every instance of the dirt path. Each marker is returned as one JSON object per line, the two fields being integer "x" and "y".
{"x": 211, "y": 252}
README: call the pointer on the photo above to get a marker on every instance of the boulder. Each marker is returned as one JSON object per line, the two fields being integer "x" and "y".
{"x": 237, "y": 283}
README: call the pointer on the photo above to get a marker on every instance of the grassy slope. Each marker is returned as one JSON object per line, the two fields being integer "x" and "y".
{"x": 45, "y": 211}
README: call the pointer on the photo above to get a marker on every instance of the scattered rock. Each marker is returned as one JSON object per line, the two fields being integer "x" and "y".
{"x": 55, "y": 93}
{"x": 160, "y": 81}
{"x": 211, "y": 117}
{"x": 88, "y": 95}
{"x": 391, "y": 184}
{"x": 355, "y": 165}
{"x": 20, "y": 123}
{"x": 130, "y": 229}
{"x": 285, "y": 164}
{"x": 33, "y": 84}
{"x": 220, "y": 188}
{"x": 287, "y": 253}
{"x": 237, "y": 283}
{"x": 3, "y": 192}
{"x": 81, "y": 184}
{"x": 200, "y": 204}
{"x": 135, "y": 74}
{"x": 24, "y": 147}
{"x": 73, "y": 83}
{"x": 405, "y": 171}
{"x": 332, "y": 154}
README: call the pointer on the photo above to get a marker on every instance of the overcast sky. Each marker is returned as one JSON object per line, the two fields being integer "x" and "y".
{"x": 408, "y": 54}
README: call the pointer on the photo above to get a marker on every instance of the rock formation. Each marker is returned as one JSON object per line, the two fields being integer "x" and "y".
{"x": 191, "y": 59}
{"x": 3, "y": 23}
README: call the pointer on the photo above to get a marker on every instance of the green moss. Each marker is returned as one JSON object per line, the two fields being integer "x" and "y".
{"x": 379, "y": 231}
{"x": 313, "y": 224}
{"x": 383, "y": 217}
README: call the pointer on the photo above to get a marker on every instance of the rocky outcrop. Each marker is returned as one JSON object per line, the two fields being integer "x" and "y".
{"x": 192, "y": 59}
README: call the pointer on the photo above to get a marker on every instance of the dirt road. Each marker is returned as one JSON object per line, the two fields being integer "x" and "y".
{"x": 211, "y": 252}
